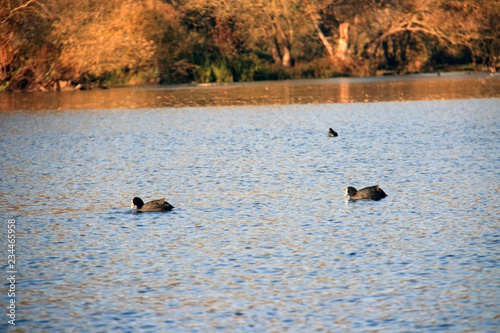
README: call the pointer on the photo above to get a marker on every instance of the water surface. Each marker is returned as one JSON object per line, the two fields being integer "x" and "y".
{"x": 261, "y": 239}
{"x": 339, "y": 90}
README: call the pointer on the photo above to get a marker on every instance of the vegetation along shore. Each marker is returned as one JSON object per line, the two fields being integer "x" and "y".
{"x": 72, "y": 44}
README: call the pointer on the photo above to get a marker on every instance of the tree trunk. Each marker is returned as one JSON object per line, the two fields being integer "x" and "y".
{"x": 287, "y": 55}
{"x": 343, "y": 45}
{"x": 275, "y": 49}
{"x": 326, "y": 43}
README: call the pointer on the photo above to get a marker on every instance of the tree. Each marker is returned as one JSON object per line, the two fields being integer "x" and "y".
{"x": 278, "y": 19}
{"x": 45, "y": 42}
{"x": 98, "y": 39}
{"x": 25, "y": 53}
{"x": 332, "y": 20}
{"x": 474, "y": 24}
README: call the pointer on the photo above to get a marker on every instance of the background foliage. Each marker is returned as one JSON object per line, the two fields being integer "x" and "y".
{"x": 56, "y": 44}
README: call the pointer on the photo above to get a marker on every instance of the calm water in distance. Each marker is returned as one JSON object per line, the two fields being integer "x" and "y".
{"x": 261, "y": 239}
{"x": 340, "y": 90}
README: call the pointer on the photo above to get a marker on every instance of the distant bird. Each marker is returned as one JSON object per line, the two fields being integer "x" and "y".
{"x": 371, "y": 193}
{"x": 153, "y": 206}
{"x": 332, "y": 133}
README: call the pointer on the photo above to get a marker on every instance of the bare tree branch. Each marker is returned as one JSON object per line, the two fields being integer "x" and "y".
{"x": 322, "y": 37}
{"x": 18, "y": 8}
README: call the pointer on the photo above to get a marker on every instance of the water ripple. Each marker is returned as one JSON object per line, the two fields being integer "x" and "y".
{"x": 261, "y": 238}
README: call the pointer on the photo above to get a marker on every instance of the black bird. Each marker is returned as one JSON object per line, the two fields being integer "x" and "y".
{"x": 332, "y": 133}
{"x": 153, "y": 206}
{"x": 371, "y": 193}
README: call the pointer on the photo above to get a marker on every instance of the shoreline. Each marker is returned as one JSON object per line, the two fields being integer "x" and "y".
{"x": 67, "y": 85}
{"x": 425, "y": 86}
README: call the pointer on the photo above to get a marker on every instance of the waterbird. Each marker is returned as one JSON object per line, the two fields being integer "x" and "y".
{"x": 159, "y": 205}
{"x": 332, "y": 133}
{"x": 371, "y": 193}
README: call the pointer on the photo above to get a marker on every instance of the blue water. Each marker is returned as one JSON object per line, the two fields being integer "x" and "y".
{"x": 261, "y": 239}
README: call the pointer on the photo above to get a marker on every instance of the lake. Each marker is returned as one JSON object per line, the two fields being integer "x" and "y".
{"x": 261, "y": 238}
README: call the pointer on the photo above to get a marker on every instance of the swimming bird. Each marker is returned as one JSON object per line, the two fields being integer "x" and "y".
{"x": 332, "y": 133}
{"x": 153, "y": 206}
{"x": 372, "y": 193}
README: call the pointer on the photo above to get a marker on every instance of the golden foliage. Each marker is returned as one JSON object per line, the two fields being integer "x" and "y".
{"x": 45, "y": 41}
{"x": 97, "y": 43}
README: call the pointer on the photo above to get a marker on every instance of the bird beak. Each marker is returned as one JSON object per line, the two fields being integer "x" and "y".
{"x": 133, "y": 206}
{"x": 346, "y": 193}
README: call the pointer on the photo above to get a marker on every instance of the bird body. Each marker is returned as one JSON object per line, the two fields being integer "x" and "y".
{"x": 370, "y": 193}
{"x": 331, "y": 132}
{"x": 159, "y": 205}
